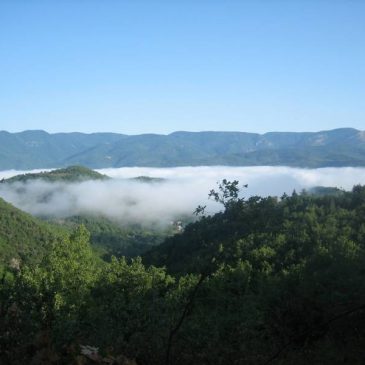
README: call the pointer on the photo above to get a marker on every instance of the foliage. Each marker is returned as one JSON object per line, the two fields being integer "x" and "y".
{"x": 68, "y": 174}
{"x": 24, "y": 238}
{"x": 110, "y": 238}
{"x": 266, "y": 281}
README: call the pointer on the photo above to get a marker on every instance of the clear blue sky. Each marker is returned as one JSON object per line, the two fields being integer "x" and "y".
{"x": 159, "y": 66}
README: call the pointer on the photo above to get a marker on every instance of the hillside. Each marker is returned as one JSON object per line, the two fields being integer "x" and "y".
{"x": 303, "y": 220}
{"x": 38, "y": 149}
{"x": 264, "y": 281}
{"x": 68, "y": 174}
{"x": 110, "y": 238}
{"x": 23, "y": 237}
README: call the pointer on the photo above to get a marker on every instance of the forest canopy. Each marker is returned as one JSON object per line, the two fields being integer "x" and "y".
{"x": 266, "y": 280}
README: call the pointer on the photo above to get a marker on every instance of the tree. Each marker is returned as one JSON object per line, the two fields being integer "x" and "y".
{"x": 227, "y": 194}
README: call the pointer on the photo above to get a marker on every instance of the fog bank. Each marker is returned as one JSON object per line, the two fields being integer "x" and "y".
{"x": 129, "y": 201}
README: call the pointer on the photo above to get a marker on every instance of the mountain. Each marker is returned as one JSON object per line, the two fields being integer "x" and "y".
{"x": 68, "y": 174}
{"x": 32, "y": 149}
{"x": 38, "y": 149}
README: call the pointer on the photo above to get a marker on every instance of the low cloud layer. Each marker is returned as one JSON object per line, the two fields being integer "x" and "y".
{"x": 129, "y": 201}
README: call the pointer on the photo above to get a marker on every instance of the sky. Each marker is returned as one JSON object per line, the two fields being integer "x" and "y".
{"x": 161, "y": 66}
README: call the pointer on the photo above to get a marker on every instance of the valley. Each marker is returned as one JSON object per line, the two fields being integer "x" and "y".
{"x": 256, "y": 279}
{"x": 182, "y": 182}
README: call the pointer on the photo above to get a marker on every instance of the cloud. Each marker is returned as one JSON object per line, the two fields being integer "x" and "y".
{"x": 9, "y": 173}
{"x": 129, "y": 201}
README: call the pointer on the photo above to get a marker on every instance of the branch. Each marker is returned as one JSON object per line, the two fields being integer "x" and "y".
{"x": 188, "y": 307}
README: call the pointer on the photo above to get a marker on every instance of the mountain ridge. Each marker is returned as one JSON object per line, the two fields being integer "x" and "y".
{"x": 38, "y": 149}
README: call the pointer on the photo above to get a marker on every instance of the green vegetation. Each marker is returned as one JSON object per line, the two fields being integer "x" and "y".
{"x": 112, "y": 239}
{"x": 266, "y": 281}
{"x": 38, "y": 149}
{"x": 24, "y": 238}
{"x": 148, "y": 179}
{"x": 68, "y": 174}
{"x": 325, "y": 190}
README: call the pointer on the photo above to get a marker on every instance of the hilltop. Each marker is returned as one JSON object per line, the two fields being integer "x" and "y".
{"x": 68, "y": 174}
{"x": 38, "y": 149}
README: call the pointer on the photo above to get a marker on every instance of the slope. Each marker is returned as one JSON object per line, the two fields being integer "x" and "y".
{"x": 68, "y": 174}
{"x": 23, "y": 237}
{"x": 38, "y": 149}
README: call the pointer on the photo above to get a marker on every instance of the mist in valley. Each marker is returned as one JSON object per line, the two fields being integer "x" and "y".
{"x": 182, "y": 189}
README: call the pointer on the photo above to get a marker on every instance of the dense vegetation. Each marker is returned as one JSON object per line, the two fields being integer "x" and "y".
{"x": 68, "y": 174}
{"x": 38, "y": 149}
{"x": 266, "y": 281}
{"x": 110, "y": 238}
{"x": 107, "y": 237}
{"x": 24, "y": 238}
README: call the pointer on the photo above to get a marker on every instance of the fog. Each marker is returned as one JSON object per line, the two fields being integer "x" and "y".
{"x": 184, "y": 188}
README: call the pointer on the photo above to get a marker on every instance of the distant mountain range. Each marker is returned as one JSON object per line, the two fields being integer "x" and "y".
{"x": 39, "y": 149}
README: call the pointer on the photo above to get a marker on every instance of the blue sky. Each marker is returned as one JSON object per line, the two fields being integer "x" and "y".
{"x": 160, "y": 66}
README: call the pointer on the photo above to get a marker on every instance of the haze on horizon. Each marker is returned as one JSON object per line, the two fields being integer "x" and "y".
{"x": 179, "y": 131}
{"x": 156, "y": 67}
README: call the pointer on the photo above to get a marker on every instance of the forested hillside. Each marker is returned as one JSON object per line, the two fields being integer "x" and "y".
{"x": 38, "y": 149}
{"x": 266, "y": 281}
{"x": 23, "y": 238}
{"x": 109, "y": 238}
{"x": 68, "y": 174}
